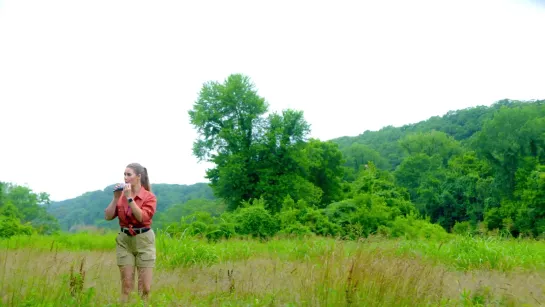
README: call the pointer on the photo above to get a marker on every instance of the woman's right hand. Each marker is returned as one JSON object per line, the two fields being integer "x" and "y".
{"x": 117, "y": 194}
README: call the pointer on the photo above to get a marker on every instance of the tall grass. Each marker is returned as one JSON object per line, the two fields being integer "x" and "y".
{"x": 64, "y": 241}
{"x": 471, "y": 253}
{"x": 80, "y": 270}
{"x": 330, "y": 279}
{"x": 457, "y": 252}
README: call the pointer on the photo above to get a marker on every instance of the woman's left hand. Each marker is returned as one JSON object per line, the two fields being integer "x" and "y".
{"x": 127, "y": 191}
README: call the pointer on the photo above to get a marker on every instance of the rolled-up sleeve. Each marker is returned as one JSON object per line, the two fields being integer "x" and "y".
{"x": 148, "y": 208}
{"x": 115, "y": 211}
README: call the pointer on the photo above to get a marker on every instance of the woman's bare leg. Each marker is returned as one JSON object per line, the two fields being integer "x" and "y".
{"x": 144, "y": 282}
{"x": 127, "y": 281}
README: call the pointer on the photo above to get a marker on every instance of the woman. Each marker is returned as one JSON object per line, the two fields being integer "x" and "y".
{"x": 135, "y": 206}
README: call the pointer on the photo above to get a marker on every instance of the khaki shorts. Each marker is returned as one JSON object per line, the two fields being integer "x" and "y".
{"x": 136, "y": 250}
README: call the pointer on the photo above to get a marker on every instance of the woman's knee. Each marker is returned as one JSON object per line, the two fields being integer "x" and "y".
{"x": 146, "y": 288}
{"x": 128, "y": 285}
{"x": 144, "y": 279}
{"x": 127, "y": 278}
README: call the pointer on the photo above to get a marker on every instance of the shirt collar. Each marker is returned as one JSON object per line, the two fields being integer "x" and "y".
{"x": 143, "y": 192}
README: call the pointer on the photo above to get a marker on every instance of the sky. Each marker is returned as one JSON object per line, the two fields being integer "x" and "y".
{"x": 87, "y": 87}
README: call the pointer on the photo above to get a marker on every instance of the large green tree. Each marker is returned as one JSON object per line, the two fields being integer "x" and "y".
{"x": 228, "y": 119}
{"x": 282, "y": 168}
{"x": 261, "y": 156}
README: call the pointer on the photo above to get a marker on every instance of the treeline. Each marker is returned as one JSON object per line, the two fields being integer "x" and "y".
{"x": 483, "y": 164}
{"x": 477, "y": 170}
{"x": 373, "y": 205}
{"x": 24, "y": 212}
{"x": 472, "y": 170}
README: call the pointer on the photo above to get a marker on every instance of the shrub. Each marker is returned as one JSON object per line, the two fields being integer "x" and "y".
{"x": 319, "y": 224}
{"x": 197, "y": 228}
{"x": 296, "y": 229}
{"x": 218, "y": 231}
{"x": 10, "y": 226}
{"x": 462, "y": 228}
{"x": 255, "y": 221}
{"x": 411, "y": 227}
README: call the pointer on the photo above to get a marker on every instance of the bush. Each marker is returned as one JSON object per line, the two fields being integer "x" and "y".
{"x": 319, "y": 224}
{"x": 220, "y": 231}
{"x": 10, "y": 226}
{"x": 296, "y": 229}
{"x": 463, "y": 228}
{"x": 411, "y": 227}
{"x": 255, "y": 221}
{"x": 197, "y": 228}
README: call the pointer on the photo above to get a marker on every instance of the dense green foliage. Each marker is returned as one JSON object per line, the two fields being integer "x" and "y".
{"x": 373, "y": 205}
{"x": 471, "y": 171}
{"x": 258, "y": 156}
{"x": 482, "y": 164}
{"x": 478, "y": 166}
{"x": 24, "y": 212}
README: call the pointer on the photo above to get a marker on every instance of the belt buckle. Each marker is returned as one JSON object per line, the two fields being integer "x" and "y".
{"x": 127, "y": 231}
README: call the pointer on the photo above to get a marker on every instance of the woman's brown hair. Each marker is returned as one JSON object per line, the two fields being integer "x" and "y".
{"x": 143, "y": 172}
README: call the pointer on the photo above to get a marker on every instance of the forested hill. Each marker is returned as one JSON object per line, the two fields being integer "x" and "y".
{"x": 481, "y": 167}
{"x": 384, "y": 148}
{"x": 482, "y": 164}
{"x": 88, "y": 209}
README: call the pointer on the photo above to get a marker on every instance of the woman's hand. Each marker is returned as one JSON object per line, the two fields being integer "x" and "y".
{"x": 117, "y": 194}
{"x": 127, "y": 191}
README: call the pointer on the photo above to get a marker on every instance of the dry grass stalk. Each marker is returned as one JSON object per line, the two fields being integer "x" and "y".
{"x": 77, "y": 280}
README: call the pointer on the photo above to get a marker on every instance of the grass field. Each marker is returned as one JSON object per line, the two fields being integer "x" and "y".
{"x": 80, "y": 270}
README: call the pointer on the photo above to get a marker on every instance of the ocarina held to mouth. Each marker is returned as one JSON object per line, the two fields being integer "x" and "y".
{"x": 119, "y": 187}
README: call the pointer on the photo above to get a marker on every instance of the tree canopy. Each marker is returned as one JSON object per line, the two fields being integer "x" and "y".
{"x": 474, "y": 170}
{"x": 258, "y": 155}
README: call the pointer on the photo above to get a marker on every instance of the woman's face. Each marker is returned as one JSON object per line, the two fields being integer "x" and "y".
{"x": 131, "y": 177}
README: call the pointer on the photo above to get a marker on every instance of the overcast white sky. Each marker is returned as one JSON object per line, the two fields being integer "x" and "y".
{"x": 87, "y": 87}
